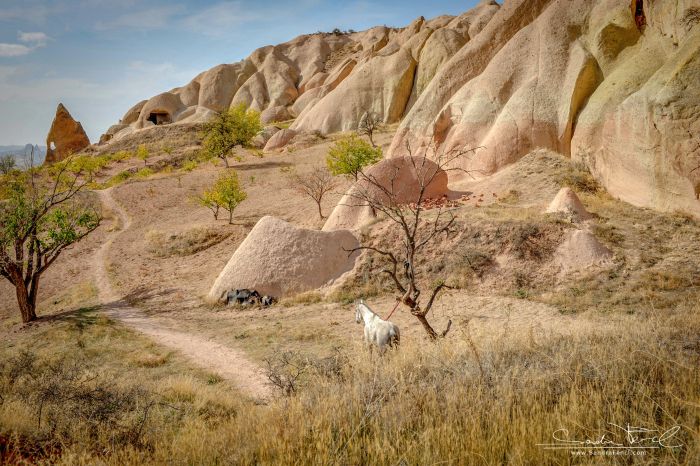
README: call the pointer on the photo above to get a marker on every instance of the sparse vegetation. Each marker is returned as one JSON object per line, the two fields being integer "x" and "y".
{"x": 142, "y": 153}
{"x": 183, "y": 244}
{"x": 314, "y": 184}
{"x": 350, "y": 155}
{"x": 229, "y": 129}
{"x": 7, "y": 164}
{"x": 121, "y": 156}
{"x": 144, "y": 172}
{"x": 580, "y": 179}
{"x": 369, "y": 124}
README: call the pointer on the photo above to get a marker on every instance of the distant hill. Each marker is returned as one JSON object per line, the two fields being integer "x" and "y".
{"x": 22, "y": 153}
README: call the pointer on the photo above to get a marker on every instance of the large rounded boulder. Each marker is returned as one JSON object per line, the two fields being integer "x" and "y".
{"x": 279, "y": 259}
{"x": 397, "y": 180}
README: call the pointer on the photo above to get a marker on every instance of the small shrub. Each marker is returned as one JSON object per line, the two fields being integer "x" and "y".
{"x": 142, "y": 153}
{"x": 145, "y": 172}
{"x": 121, "y": 156}
{"x": 189, "y": 165}
{"x": 350, "y": 155}
{"x": 284, "y": 371}
{"x": 580, "y": 179}
{"x": 119, "y": 178}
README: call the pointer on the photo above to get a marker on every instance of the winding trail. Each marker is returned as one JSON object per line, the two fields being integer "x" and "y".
{"x": 229, "y": 363}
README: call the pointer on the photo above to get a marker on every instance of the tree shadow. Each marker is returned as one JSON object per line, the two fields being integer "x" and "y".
{"x": 261, "y": 165}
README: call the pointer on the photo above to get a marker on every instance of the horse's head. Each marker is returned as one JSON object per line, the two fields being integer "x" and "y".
{"x": 358, "y": 313}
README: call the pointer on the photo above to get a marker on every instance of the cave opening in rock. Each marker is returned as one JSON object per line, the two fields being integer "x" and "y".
{"x": 638, "y": 12}
{"x": 159, "y": 118}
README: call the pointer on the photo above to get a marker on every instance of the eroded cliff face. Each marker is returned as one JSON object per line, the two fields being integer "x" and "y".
{"x": 326, "y": 81}
{"x": 613, "y": 83}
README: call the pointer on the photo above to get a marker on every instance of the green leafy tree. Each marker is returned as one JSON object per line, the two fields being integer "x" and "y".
{"x": 350, "y": 155}
{"x": 143, "y": 154}
{"x": 226, "y": 194}
{"x": 41, "y": 214}
{"x": 7, "y": 164}
{"x": 209, "y": 200}
{"x": 234, "y": 127}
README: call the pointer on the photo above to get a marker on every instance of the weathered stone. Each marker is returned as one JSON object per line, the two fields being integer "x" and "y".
{"x": 65, "y": 137}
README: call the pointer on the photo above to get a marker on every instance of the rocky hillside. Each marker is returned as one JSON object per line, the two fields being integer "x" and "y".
{"x": 612, "y": 83}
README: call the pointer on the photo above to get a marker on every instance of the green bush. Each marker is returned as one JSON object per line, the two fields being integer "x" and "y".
{"x": 145, "y": 172}
{"x": 350, "y": 155}
{"x": 143, "y": 153}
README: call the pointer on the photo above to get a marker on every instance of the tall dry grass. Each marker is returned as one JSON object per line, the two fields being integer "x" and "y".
{"x": 464, "y": 401}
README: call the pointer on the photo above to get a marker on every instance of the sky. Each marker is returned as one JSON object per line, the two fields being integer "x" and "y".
{"x": 99, "y": 57}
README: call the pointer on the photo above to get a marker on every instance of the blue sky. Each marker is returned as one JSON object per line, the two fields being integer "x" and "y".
{"x": 99, "y": 57}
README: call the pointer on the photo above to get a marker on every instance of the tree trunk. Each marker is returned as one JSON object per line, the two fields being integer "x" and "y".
{"x": 319, "y": 210}
{"x": 27, "y": 305}
{"x": 225, "y": 160}
{"x": 230, "y": 217}
{"x": 426, "y": 326}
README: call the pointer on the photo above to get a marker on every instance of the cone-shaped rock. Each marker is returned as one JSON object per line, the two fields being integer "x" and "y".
{"x": 65, "y": 137}
{"x": 567, "y": 202}
{"x": 580, "y": 250}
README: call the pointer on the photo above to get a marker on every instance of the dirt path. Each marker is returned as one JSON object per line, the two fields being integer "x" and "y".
{"x": 227, "y": 362}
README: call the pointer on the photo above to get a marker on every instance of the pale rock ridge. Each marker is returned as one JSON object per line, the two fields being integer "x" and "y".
{"x": 279, "y": 259}
{"x": 586, "y": 79}
{"x": 328, "y": 81}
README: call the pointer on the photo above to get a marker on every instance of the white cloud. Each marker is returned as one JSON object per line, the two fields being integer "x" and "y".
{"x": 14, "y": 50}
{"x": 36, "y": 38}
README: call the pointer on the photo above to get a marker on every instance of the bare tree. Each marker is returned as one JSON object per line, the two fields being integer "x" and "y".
{"x": 417, "y": 230}
{"x": 314, "y": 184}
{"x": 369, "y": 123}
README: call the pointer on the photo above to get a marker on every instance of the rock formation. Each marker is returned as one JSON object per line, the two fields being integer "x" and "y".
{"x": 611, "y": 83}
{"x": 567, "y": 203}
{"x": 65, "y": 137}
{"x": 589, "y": 79}
{"x": 579, "y": 251}
{"x": 279, "y": 259}
{"x": 402, "y": 179}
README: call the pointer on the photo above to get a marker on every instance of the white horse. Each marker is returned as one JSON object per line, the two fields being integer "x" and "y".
{"x": 378, "y": 332}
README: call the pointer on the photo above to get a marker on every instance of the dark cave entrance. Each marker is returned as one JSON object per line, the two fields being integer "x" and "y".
{"x": 638, "y": 11}
{"x": 159, "y": 118}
